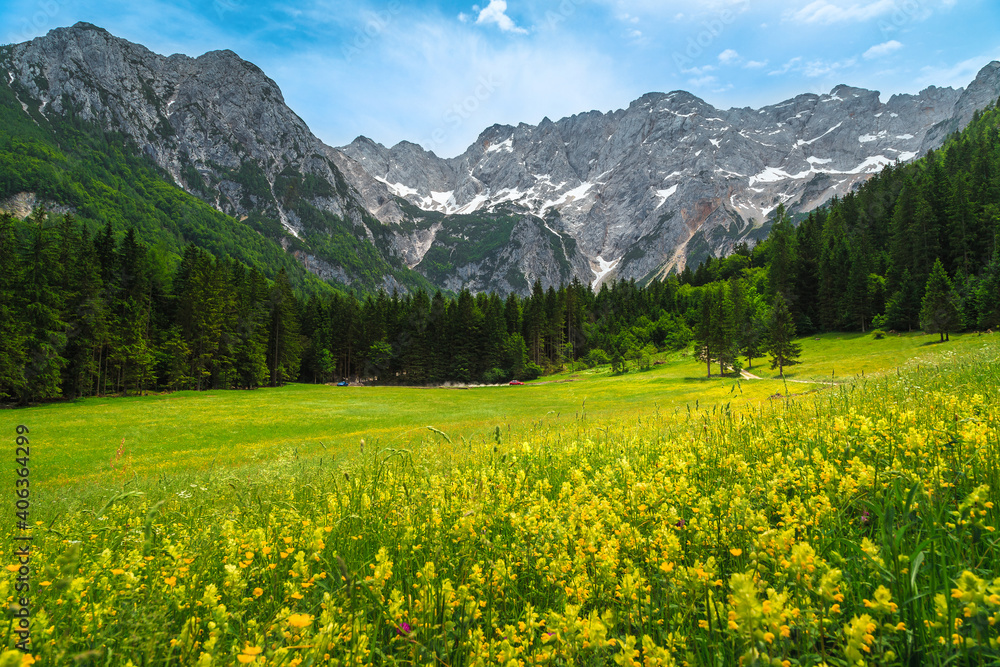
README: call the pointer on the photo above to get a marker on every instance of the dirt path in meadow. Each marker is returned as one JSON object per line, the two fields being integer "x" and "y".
{"x": 746, "y": 375}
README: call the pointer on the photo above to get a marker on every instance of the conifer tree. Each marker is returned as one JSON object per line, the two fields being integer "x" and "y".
{"x": 834, "y": 270}
{"x": 534, "y": 322}
{"x": 781, "y": 343}
{"x": 46, "y": 328}
{"x": 439, "y": 338}
{"x": 130, "y": 356}
{"x": 418, "y": 351}
{"x": 939, "y": 311}
{"x": 724, "y": 329}
{"x": 703, "y": 340}
{"x": 987, "y": 296}
{"x": 963, "y": 232}
{"x": 87, "y": 312}
{"x": 284, "y": 346}
{"x": 714, "y": 332}
{"x": 746, "y": 321}
{"x": 782, "y": 277}
{"x": 857, "y": 300}
{"x": 13, "y": 352}
{"x": 251, "y": 329}
{"x": 903, "y": 307}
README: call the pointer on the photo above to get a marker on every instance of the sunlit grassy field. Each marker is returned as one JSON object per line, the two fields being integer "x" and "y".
{"x": 184, "y": 431}
{"x": 652, "y": 518}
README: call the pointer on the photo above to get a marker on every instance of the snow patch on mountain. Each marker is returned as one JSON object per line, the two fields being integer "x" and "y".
{"x": 665, "y": 194}
{"x": 803, "y": 142}
{"x": 604, "y": 268}
{"x": 505, "y": 146}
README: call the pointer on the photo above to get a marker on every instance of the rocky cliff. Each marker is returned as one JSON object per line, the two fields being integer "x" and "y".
{"x": 220, "y": 128}
{"x": 643, "y": 189}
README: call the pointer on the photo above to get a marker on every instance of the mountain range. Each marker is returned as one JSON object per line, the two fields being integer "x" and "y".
{"x": 633, "y": 193}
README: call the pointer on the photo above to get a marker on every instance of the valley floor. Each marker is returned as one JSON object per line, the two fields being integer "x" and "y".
{"x": 653, "y": 518}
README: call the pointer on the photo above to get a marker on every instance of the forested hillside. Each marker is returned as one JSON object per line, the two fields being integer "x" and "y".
{"x": 84, "y": 313}
{"x": 868, "y": 255}
{"x": 103, "y": 178}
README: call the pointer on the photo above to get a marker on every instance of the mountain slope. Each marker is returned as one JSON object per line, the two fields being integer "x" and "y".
{"x": 670, "y": 178}
{"x": 219, "y": 128}
{"x": 69, "y": 166}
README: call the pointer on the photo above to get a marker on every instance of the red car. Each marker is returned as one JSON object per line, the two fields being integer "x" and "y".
{"x": 515, "y": 382}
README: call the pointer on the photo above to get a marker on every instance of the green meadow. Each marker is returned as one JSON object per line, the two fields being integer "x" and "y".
{"x": 101, "y": 440}
{"x": 845, "y": 515}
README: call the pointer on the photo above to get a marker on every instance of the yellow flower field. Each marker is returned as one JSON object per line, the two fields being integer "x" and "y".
{"x": 857, "y": 526}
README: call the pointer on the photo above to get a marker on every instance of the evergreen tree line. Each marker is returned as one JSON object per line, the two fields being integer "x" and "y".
{"x": 90, "y": 315}
{"x": 87, "y": 314}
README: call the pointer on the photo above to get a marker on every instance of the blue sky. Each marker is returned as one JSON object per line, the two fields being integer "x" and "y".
{"x": 439, "y": 72}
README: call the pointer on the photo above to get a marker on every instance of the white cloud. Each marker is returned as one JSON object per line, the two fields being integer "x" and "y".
{"x": 756, "y": 64}
{"x": 496, "y": 12}
{"x": 817, "y": 68}
{"x": 729, "y": 57}
{"x": 958, "y": 75}
{"x": 813, "y": 68}
{"x": 824, "y": 11}
{"x": 703, "y": 81}
{"x": 465, "y": 81}
{"x": 698, "y": 71}
{"x": 883, "y": 49}
{"x": 787, "y": 67}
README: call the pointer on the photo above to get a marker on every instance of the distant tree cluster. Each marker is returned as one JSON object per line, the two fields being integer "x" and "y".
{"x": 85, "y": 314}
{"x": 735, "y": 320}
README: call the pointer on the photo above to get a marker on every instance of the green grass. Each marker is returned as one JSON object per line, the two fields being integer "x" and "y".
{"x": 680, "y": 520}
{"x": 838, "y": 356}
{"x": 76, "y": 441}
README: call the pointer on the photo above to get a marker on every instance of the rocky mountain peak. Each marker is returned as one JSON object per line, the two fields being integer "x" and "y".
{"x": 672, "y": 177}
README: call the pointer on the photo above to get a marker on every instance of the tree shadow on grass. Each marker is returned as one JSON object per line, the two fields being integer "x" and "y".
{"x": 714, "y": 378}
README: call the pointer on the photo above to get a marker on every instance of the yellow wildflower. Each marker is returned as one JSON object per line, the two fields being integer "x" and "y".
{"x": 299, "y": 621}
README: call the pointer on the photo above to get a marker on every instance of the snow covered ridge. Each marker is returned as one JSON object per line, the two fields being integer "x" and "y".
{"x": 796, "y": 141}
{"x": 671, "y": 174}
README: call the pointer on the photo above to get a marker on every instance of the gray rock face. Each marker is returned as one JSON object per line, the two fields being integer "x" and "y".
{"x": 981, "y": 93}
{"x": 215, "y": 123}
{"x": 646, "y": 187}
{"x": 221, "y": 129}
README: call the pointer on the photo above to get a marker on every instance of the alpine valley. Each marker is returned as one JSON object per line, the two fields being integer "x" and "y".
{"x": 634, "y": 193}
